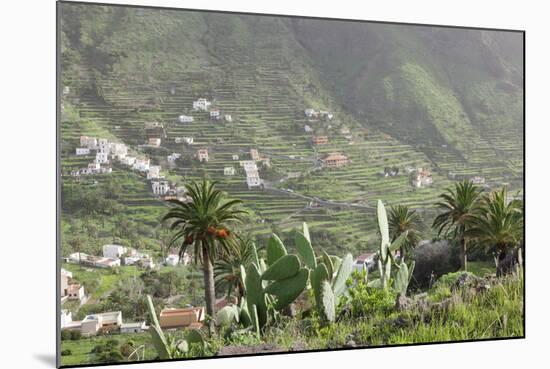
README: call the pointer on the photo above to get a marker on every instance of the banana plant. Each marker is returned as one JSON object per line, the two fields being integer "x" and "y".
{"x": 165, "y": 345}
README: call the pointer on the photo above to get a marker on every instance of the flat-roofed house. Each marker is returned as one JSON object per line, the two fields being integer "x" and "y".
{"x": 119, "y": 150}
{"x": 180, "y": 318}
{"x": 128, "y": 160}
{"x": 154, "y": 141}
{"x": 201, "y": 104}
{"x": 335, "y": 160}
{"x": 103, "y": 146}
{"x": 310, "y": 112}
{"x": 75, "y": 291}
{"x": 228, "y": 171}
{"x": 214, "y": 114}
{"x": 136, "y": 327}
{"x": 104, "y": 322}
{"x": 101, "y": 158}
{"x": 228, "y": 118}
{"x": 82, "y": 151}
{"x": 202, "y": 155}
{"x": 114, "y": 251}
{"x": 89, "y": 142}
{"x": 142, "y": 164}
{"x": 154, "y": 172}
{"x": 160, "y": 188}
{"x": 235, "y": 157}
{"x": 185, "y": 119}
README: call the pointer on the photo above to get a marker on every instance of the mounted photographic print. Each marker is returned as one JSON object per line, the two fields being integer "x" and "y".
{"x": 247, "y": 184}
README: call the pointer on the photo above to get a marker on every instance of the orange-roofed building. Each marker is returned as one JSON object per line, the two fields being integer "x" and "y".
{"x": 335, "y": 160}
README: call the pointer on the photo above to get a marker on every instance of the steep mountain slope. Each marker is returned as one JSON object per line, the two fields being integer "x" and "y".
{"x": 408, "y": 97}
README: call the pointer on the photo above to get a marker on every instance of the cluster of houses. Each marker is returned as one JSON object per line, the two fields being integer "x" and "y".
{"x": 111, "y": 322}
{"x": 312, "y": 113}
{"x": 250, "y": 167}
{"x": 102, "y": 323}
{"x": 104, "y": 151}
{"x": 203, "y": 104}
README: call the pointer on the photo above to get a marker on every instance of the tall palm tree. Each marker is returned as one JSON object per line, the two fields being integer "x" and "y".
{"x": 402, "y": 219}
{"x": 227, "y": 270}
{"x": 459, "y": 207}
{"x": 204, "y": 223}
{"x": 499, "y": 227}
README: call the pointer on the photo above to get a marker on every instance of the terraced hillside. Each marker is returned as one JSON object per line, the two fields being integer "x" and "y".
{"x": 126, "y": 67}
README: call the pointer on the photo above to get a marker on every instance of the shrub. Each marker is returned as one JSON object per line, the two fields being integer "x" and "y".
{"x": 111, "y": 356}
{"x": 66, "y": 352}
{"x": 75, "y": 335}
{"x": 437, "y": 257}
{"x": 65, "y": 335}
{"x": 363, "y": 300}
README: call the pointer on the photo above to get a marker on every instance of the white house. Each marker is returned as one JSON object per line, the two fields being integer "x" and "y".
{"x": 228, "y": 118}
{"x": 201, "y": 104}
{"x": 310, "y": 112}
{"x": 103, "y": 146}
{"x": 202, "y": 155}
{"x": 101, "y": 157}
{"x": 228, "y": 171}
{"x": 421, "y": 178}
{"x": 245, "y": 163}
{"x": 253, "y": 179}
{"x": 93, "y": 168}
{"x": 113, "y": 251}
{"x": 250, "y": 166}
{"x": 160, "y": 188}
{"x": 118, "y": 150}
{"x": 75, "y": 291}
{"x": 172, "y": 259}
{"x": 185, "y": 119}
{"x": 89, "y": 142}
{"x": 154, "y": 172}
{"x": 106, "y": 262}
{"x": 141, "y": 164}
{"x": 235, "y": 157}
{"x": 82, "y": 151}
{"x": 214, "y": 114}
{"x": 128, "y": 160}
{"x": 137, "y": 327}
{"x": 173, "y": 157}
{"x": 326, "y": 114}
{"x": 308, "y": 129}
{"x": 154, "y": 142}
{"x": 105, "y": 322}
{"x": 188, "y": 140}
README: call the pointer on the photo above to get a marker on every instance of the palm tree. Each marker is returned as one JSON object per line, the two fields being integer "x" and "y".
{"x": 203, "y": 223}
{"x": 499, "y": 227}
{"x": 402, "y": 219}
{"x": 459, "y": 207}
{"x": 227, "y": 270}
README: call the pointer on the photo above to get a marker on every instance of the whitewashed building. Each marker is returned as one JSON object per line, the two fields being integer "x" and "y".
{"x": 103, "y": 146}
{"x": 137, "y": 327}
{"x": 128, "y": 160}
{"x": 214, "y": 114}
{"x": 119, "y": 150}
{"x": 202, "y": 155}
{"x": 101, "y": 157}
{"x": 201, "y": 104}
{"x": 308, "y": 129}
{"x": 253, "y": 179}
{"x": 254, "y": 154}
{"x": 235, "y": 157}
{"x": 154, "y": 172}
{"x": 113, "y": 251}
{"x": 173, "y": 157}
{"x": 229, "y": 171}
{"x": 154, "y": 142}
{"x": 142, "y": 164}
{"x": 310, "y": 112}
{"x": 185, "y": 119}
{"x": 82, "y": 151}
{"x": 89, "y": 142}
{"x": 160, "y": 188}
{"x": 228, "y": 118}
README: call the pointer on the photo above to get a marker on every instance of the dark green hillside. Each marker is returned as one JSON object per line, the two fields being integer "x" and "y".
{"x": 445, "y": 100}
